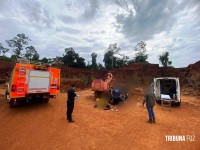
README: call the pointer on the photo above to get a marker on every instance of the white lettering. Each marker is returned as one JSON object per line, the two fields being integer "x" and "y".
{"x": 166, "y": 138}
{"x": 173, "y": 138}
{"x": 183, "y": 138}
{"x": 178, "y": 138}
{"x": 190, "y": 138}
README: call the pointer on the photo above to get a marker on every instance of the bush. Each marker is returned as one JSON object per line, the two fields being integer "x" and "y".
{"x": 4, "y": 58}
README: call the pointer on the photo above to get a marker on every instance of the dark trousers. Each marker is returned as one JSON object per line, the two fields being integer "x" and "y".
{"x": 151, "y": 113}
{"x": 70, "y": 108}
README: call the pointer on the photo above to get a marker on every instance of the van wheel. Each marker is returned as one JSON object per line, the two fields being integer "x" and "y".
{"x": 46, "y": 100}
{"x": 179, "y": 104}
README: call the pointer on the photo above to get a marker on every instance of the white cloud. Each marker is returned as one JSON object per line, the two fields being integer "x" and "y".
{"x": 90, "y": 26}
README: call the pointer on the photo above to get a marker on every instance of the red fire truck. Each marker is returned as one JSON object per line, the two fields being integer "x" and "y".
{"x": 29, "y": 81}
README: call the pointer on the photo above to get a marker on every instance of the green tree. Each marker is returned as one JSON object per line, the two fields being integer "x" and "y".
{"x": 44, "y": 60}
{"x": 141, "y": 55}
{"x": 31, "y": 53}
{"x": 50, "y": 60}
{"x": 80, "y": 63}
{"x": 123, "y": 61}
{"x": 110, "y": 60}
{"x": 88, "y": 66}
{"x": 94, "y": 61}
{"x": 72, "y": 59}
{"x": 100, "y": 66}
{"x": 164, "y": 59}
{"x": 18, "y": 43}
{"x": 119, "y": 62}
{"x": 57, "y": 61}
{"x": 3, "y": 49}
{"x": 36, "y": 57}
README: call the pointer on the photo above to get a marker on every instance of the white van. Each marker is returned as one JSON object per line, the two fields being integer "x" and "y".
{"x": 167, "y": 86}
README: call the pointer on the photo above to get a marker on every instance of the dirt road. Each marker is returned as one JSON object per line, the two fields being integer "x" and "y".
{"x": 44, "y": 126}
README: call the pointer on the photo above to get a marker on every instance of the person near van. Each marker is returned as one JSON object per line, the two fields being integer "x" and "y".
{"x": 70, "y": 102}
{"x": 149, "y": 99}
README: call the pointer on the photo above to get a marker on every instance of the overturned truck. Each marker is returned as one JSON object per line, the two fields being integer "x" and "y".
{"x": 99, "y": 85}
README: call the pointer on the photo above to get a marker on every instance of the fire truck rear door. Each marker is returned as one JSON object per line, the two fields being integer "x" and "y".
{"x": 39, "y": 81}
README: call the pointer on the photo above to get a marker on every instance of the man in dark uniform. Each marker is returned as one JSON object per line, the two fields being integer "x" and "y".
{"x": 70, "y": 102}
{"x": 116, "y": 96}
{"x": 149, "y": 99}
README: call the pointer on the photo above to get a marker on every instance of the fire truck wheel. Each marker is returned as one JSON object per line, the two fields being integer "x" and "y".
{"x": 46, "y": 100}
{"x": 11, "y": 104}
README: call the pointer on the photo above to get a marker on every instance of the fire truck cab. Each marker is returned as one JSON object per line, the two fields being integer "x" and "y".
{"x": 30, "y": 81}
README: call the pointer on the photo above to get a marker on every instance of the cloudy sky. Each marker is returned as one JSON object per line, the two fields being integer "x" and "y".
{"x": 91, "y": 25}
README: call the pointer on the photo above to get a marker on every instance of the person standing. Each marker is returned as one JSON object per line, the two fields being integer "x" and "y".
{"x": 149, "y": 99}
{"x": 70, "y": 102}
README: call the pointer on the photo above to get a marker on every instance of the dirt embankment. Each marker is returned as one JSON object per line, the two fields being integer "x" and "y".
{"x": 135, "y": 74}
{"x": 5, "y": 70}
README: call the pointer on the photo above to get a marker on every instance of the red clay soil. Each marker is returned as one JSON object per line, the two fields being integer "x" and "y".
{"x": 44, "y": 126}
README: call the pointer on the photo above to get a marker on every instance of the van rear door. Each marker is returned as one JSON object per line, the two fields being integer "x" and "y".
{"x": 178, "y": 89}
{"x": 39, "y": 81}
{"x": 157, "y": 88}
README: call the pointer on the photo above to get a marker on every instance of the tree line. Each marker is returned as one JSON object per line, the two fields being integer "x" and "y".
{"x": 113, "y": 58}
